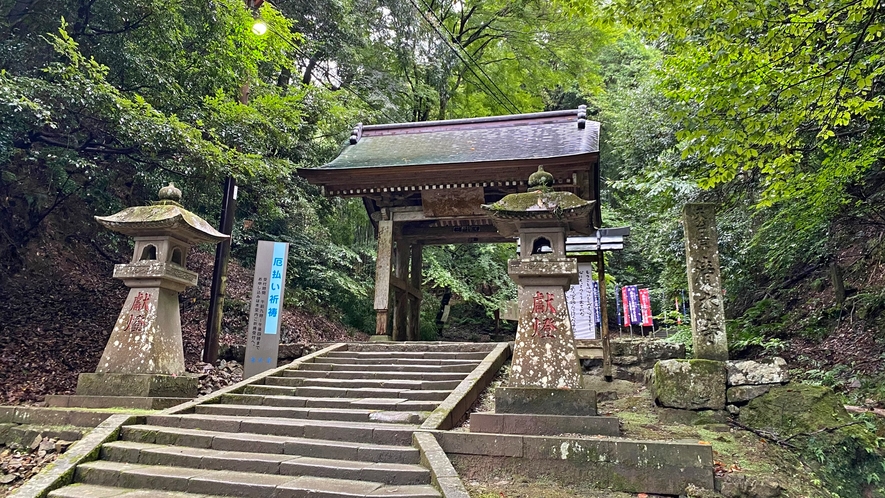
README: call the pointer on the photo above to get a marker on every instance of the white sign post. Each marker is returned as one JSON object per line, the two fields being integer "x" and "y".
{"x": 268, "y": 285}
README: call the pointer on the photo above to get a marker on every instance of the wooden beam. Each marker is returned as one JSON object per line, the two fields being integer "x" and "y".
{"x": 413, "y": 332}
{"x": 405, "y": 286}
{"x": 603, "y": 305}
{"x": 401, "y": 270}
{"x": 382, "y": 275}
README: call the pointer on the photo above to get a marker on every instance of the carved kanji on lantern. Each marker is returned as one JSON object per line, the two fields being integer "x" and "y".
{"x": 543, "y": 325}
{"x": 543, "y": 328}
{"x": 543, "y": 303}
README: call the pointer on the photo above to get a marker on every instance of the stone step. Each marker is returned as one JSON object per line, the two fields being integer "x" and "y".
{"x": 263, "y": 463}
{"x": 374, "y": 375}
{"x": 91, "y": 491}
{"x": 411, "y": 355}
{"x": 418, "y": 385}
{"x": 344, "y": 360}
{"x": 319, "y": 364}
{"x": 361, "y": 432}
{"x": 241, "y": 484}
{"x": 341, "y": 414}
{"x": 133, "y": 402}
{"x": 422, "y": 346}
{"x": 543, "y": 424}
{"x": 398, "y": 404}
{"x": 339, "y": 392}
{"x": 267, "y": 444}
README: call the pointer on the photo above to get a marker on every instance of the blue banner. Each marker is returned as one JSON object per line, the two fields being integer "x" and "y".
{"x": 633, "y": 304}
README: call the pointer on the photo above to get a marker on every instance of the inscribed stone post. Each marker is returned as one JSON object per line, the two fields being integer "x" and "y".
{"x": 704, "y": 283}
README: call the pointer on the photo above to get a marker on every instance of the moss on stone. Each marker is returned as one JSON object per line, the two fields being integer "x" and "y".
{"x": 549, "y": 200}
{"x": 690, "y": 384}
{"x": 794, "y": 409}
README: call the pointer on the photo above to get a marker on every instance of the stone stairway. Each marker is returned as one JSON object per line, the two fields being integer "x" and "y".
{"x": 340, "y": 425}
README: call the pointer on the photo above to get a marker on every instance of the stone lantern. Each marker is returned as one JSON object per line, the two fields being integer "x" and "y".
{"x": 144, "y": 355}
{"x": 544, "y": 354}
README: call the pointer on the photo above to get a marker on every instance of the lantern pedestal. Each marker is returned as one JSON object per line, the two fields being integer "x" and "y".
{"x": 142, "y": 385}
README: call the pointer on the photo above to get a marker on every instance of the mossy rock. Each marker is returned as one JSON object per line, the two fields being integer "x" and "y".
{"x": 690, "y": 384}
{"x": 794, "y": 409}
{"x": 845, "y": 457}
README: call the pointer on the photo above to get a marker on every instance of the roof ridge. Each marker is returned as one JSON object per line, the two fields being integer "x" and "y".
{"x": 467, "y": 123}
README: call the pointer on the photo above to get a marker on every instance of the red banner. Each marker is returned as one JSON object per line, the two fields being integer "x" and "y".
{"x": 625, "y": 307}
{"x": 645, "y": 307}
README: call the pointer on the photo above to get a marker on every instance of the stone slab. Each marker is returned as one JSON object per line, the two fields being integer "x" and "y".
{"x": 134, "y": 402}
{"x": 466, "y": 443}
{"x": 690, "y": 384}
{"x": 636, "y": 466}
{"x": 543, "y": 425}
{"x": 756, "y": 372}
{"x": 58, "y": 416}
{"x": 577, "y": 402}
{"x": 147, "y": 385}
{"x": 743, "y": 394}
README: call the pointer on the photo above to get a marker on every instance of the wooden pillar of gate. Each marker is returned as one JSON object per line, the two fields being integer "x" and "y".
{"x": 382, "y": 276}
{"x": 400, "y": 292}
{"x": 603, "y": 311}
{"x": 413, "y": 330}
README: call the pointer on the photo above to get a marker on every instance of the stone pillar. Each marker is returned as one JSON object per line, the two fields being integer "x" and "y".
{"x": 704, "y": 283}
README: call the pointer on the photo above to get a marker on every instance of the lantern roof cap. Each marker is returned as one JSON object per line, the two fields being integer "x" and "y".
{"x": 540, "y": 206}
{"x": 165, "y": 217}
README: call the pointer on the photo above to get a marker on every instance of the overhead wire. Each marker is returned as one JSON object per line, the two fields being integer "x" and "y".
{"x": 514, "y": 109}
{"x": 451, "y": 35}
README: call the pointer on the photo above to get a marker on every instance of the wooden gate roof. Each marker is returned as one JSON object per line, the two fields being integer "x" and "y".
{"x": 406, "y": 167}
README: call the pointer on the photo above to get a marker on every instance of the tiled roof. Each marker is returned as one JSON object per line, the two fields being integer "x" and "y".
{"x": 504, "y": 138}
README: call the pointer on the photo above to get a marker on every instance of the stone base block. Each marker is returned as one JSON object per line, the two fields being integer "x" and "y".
{"x": 536, "y": 400}
{"x": 619, "y": 464}
{"x": 690, "y": 384}
{"x": 146, "y": 385}
{"x": 133, "y": 402}
{"x": 743, "y": 394}
{"x": 379, "y": 338}
{"x": 543, "y": 425}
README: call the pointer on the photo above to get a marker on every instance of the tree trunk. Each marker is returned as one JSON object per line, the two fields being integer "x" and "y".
{"x": 838, "y": 283}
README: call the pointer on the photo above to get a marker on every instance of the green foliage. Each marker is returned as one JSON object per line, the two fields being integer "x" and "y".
{"x": 683, "y": 336}
{"x": 758, "y": 326}
{"x": 762, "y": 89}
{"x": 476, "y": 273}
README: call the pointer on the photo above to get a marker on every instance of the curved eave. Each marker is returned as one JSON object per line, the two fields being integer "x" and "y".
{"x": 420, "y": 175}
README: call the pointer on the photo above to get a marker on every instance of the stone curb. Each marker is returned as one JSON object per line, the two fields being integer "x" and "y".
{"x": 450, "y": 411}
{"x": 637, "y": 466}
{"x": 61, "y": 472}
{"x": 442, "y": 473}
{"x": 53, "y": 416}
{"x": 215, "y": 397}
